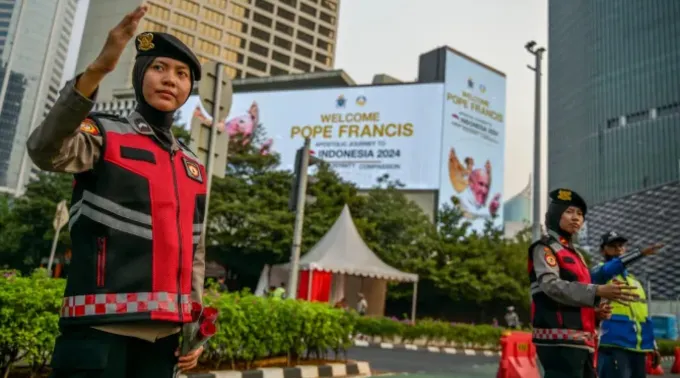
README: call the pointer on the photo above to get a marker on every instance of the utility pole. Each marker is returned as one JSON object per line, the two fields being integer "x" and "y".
{"x": 538, "y": 55}
{"x": 297, "y": 201}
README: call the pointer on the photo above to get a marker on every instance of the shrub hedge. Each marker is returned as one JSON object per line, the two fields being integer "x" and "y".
{"x": 250, "y": 328}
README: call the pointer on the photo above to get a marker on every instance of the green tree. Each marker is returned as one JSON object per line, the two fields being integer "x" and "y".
{"x": 250, "y": 224}
{"x": 396, "y": 228}
{"x": 480, "y": 268}
{"x": 26, "y": 222}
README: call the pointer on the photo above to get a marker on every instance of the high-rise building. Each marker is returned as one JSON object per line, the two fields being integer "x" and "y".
{"x": 253, "y": 38}
{"x": 517, "y": 212}
{"x": 613, "y": 96}
{"x": 34, "y": 37}
{"x": 6, "y": 8}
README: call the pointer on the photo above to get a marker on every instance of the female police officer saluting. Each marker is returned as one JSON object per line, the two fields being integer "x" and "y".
{"x": 136, "y": 213}
{"x": 563, "y": 297}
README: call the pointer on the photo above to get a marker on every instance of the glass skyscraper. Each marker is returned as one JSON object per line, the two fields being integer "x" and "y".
{"x": 613, "y": 96}
{"x": 34, "y": 37}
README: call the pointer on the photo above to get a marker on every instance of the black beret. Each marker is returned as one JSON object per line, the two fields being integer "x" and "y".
{"x": 568, "y": 197}
{"x": 167, "y": 45}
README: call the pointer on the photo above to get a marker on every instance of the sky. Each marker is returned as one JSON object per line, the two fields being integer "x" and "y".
{"x": 387, "y": 36}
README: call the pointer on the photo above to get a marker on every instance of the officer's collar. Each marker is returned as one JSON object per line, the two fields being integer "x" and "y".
{"x": 560, "y": 239}
{"x": 141, "y": 126}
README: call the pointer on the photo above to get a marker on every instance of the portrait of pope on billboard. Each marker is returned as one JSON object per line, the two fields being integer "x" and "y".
{"x": 472, "y": 185}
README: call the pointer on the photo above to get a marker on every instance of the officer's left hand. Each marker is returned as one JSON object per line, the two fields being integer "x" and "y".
{"x": 189, "y": 361}
{"x": 604, "y": 311}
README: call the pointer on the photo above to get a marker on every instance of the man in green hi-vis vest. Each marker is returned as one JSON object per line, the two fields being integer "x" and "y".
{"x": 628, "y": 335}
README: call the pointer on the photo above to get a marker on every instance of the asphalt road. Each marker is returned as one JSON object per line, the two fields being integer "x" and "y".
{"x": 424, "y": 364}
{"x": 428, "y": 363}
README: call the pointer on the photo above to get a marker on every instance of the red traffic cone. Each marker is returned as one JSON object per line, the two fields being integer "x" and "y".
{"x": 658, "y": 370}
{"x": 675, "y": 369}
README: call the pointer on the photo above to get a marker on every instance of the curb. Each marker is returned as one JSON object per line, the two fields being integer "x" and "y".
{"x": 309, "y": 371}
{"x": 433, "y": 349}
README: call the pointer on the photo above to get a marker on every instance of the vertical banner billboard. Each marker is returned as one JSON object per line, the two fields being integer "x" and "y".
{"x": 473, "y": 141}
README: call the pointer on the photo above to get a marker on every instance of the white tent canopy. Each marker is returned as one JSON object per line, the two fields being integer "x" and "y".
{"x": 343, "y": 251}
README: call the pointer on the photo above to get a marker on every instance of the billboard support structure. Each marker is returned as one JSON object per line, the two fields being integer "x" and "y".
{"x": 536, "y": 221}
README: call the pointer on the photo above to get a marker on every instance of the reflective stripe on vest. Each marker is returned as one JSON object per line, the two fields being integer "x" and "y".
{"x": 562, "y": 334}
{"x": 127, "y": 220}
{"x": 126, "y": 303}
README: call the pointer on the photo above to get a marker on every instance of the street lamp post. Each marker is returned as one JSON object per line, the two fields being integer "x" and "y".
{"x": 537, "y": 52}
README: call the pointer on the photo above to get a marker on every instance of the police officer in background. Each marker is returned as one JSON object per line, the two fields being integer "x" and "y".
{"x": 136, "y": 213}
{"x": 628, "y": 335}
{"x": 564, "y": 299}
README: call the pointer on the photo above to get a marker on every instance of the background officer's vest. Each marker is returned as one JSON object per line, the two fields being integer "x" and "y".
{"x": 630, "y": 326}
{"x": 555, "y": 323}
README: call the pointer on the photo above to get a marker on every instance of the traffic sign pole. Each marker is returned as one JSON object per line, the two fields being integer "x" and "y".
{"x": 215, "y": 91}
{"x": 219, "y": 72}
{"x": 52, "y": 252}
{"x": 299, "y": 222}
{"x": 61, "y": 218}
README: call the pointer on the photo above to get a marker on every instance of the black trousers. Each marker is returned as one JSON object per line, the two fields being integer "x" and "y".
{"x": 85, "y": 352}
{"x": 621, "y": 363}
{"x": 566, "y": 362}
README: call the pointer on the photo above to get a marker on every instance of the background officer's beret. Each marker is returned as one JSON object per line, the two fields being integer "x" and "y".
{"x": 167, "y": 45}
{"x": 568, "y": 197}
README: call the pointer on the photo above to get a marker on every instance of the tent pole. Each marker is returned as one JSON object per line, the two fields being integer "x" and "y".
{"x": 309, "y": 284}
{"x": 414, "y": 300}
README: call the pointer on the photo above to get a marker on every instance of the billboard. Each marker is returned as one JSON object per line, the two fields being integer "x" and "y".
{"x": 473, "y": 141}
{"x": 362, "y": 132}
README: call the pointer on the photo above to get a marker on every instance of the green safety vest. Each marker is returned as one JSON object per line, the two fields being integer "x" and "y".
{"x": 630, "y": 326}
{"x": 278, "y": 293}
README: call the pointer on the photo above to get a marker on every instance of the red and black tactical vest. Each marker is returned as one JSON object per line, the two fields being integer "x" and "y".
{"x": 555, "y": 323}
{"x": 136, "y": 220}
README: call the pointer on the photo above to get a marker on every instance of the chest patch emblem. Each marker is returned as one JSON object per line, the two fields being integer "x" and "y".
{"x": 193, "y": 170}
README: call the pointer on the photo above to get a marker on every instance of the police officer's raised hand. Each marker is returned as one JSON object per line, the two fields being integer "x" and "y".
{"x": 616, "y": 291}
{"x": 652, "y": 249}
{"x": 117, "y": 39}
{"x": 108, "y": 58}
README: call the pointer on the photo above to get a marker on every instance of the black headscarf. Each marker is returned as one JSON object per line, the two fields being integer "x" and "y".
{"x": 553, "y": 216}
{"x": 160, "y": 121}
{"x": 560, "y": 200}
{"x": 149, "y": 46}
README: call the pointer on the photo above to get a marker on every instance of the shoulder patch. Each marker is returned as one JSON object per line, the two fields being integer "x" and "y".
{"x": 89, "y": 126}
{"x": 550, "y": 258}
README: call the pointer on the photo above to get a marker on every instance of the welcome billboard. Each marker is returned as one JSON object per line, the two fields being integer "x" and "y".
{"x": 473, "y": 141}
{"x": 362, "y": 132}
{"x": 447, "y": 137}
